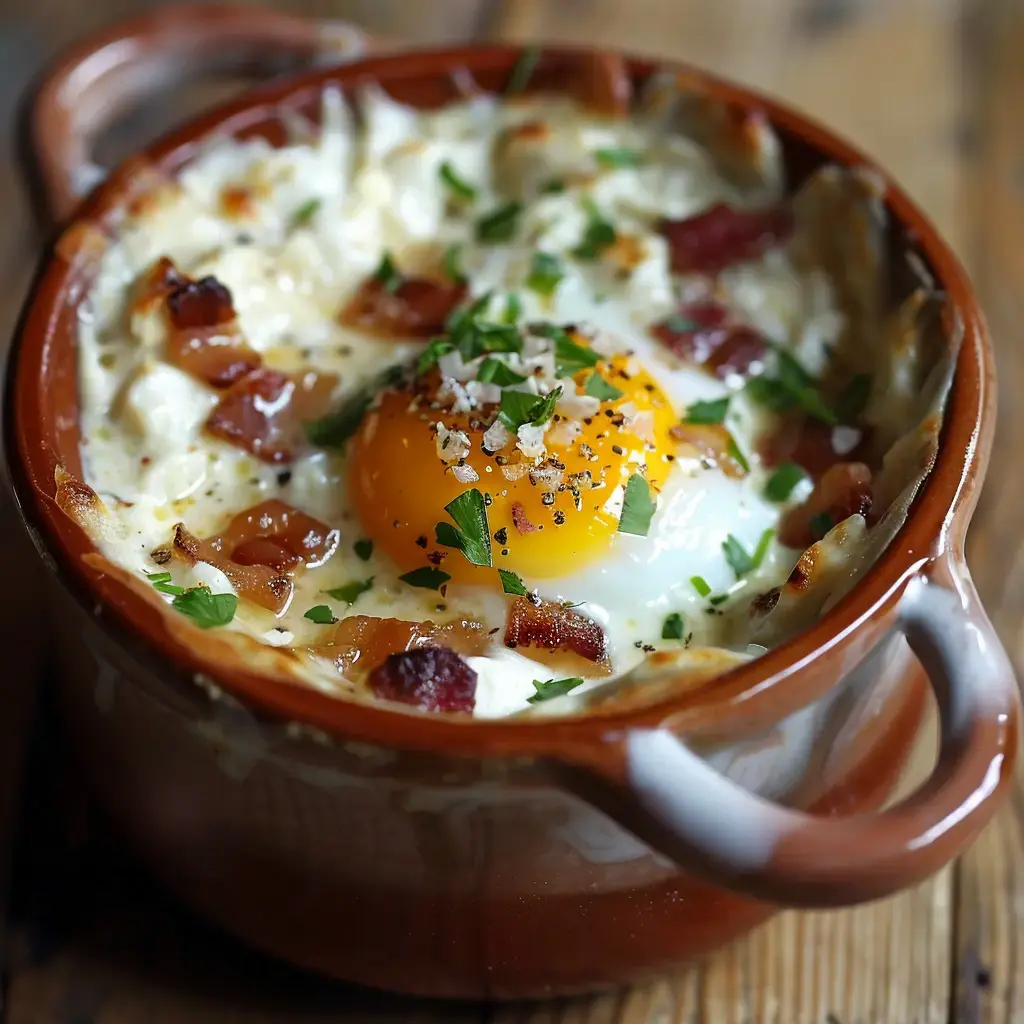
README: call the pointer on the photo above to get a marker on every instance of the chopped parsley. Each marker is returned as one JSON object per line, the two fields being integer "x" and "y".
{"x": 428, "y": 578}
{"x": 334, "y": 429}
{"x": 523, "y": 70}
{"x": 618, "y": 157}
{"x": 205, "y": 609}
{"x": 321, "y": 614}
{"x": 496, "y": 371}
{"x": 545, "y": 273}
{"x": 762, "y": 547}
{"x": 553, "y": 187}
{"x": 570, "y": 358}
{"x": 781, "y": 483}
{"x": 598, "y": 234}
{"x": 732, "y": 449}
{"x": 387, "y": 274}
{"x": 469, "y": 534}
{"x": 512, "y": 584}
{"x": 672, "y": 627}
{"x": 520, "y": 407}
{"x": 553, "y": 688}
{"x": 707, "y": 412}
{"x": 637, "y": 507}
{"x": 306, "y": 212}
{"x": 162, "y": 582}
{"x": 457, "y": 186}
{"x": 792, "y": 388}
{"x": 363, "y": 549}
{"x": 820, "y": 524}
{"x": 436, "y": 348}
{"x": 853, "y": 399}
{"x": 513, "y": 309}
{"x": 452, "y": 264}
{"x": 718, "y": 599}
{"x": 737, "y": 556}
{"x": 700, "y": 585}
{"x": 349, "y": 592}
{"x": 597, "y": 387}
{"x": 499, "y": 225}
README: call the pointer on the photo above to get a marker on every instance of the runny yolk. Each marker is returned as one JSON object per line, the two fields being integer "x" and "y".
{"x": 546, "y": 520}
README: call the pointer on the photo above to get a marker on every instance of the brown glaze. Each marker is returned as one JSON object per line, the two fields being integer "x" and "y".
{"x": 423, "y": 853}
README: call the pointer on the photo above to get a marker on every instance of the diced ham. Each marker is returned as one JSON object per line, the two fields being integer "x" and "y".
{"x": 430, "y": 678}
{"x": 552, "y": 626}
{"x": 711, "y": 241}
{"x": 417, "y": 308}
{"x": 277, "y": 535}
{"x": 843, "y": 491}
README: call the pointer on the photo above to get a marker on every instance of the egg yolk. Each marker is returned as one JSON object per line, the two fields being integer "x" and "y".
{"x": 547, "y": 519}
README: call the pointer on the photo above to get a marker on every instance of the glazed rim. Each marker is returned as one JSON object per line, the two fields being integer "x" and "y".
{"x": 778, "y": 678}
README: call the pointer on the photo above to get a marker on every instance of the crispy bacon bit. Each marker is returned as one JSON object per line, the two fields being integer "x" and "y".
{"x": 520, "y": 520}
{"x": 713, "y": 442}
{"x": 362, "y": 642}
{"x": 276, "y": 535}
{"x": 202, "y": 303}
{"x": 553, "y": 627}
{"x": 417, "y": 308}
{"x": 262, "y": 412}
{"x": 721, "y": 236}
{"x": 431, "y": 679}
{"x": 810, "y": 444}
{"x": 258, "y": 583}
{"x": 844, "y": 491}
{"x": 701, "y": 333}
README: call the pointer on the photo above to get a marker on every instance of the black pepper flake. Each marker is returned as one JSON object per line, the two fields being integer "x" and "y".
{"x": 555, "y": 464}
{"x": 394, "y": 523}
{"x": 548, "y": 498}
{"x": 504, "y": 551}
{"x": 648, "y": 648}
{"x": 501, "y": 536}
{"x": 501, "y": 460}
{"x": 609, "y": 412}
{"x": 670, "y": 458}
{"x": 284, "y": 478}
{"x": 421, "y": 541}
{"x": 588, "y": 420}
{"x": 648, "y": 387}
{"x": 638, "y": 644}
{"x": 559, "y": 518}
{"x": 440, "y": 607}
{"x": 487, "y": 499}
{"x": 491, "y": 632}
{"x": 618, "y": 450}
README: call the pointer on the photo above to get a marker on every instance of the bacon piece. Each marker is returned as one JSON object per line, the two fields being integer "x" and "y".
{"x": 810, "y": 444}
{"x": 520, "y": 520}
{"x": 721, "y": 236}
{"x": 275, "y": 534}
{"x": 701, "y": 333}
{"x": 362, "y": 642}
{"x": 205, "y": 339}
{"x": 554, "y": 627}
{"x": 844, "y": 491}
{"x": 417, "y": 308}
{"x": 262, "y": 412}
{"x": 260, "y": 584}
{"x": 431, "y": 679}
{"x": 713, "y": 442}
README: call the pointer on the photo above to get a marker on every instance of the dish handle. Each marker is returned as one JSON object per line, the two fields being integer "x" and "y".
{"x": 673, "y": 800}
{"x": 113, "y": 72}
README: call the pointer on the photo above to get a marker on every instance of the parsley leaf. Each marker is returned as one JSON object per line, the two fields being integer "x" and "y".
{"x": 781, "y": 483}
{"x": 513, "y": 309}
{"x": 545, "y": 273}
{"x": 387, "y": 274}
{"x": 820, "y": 524}
{"x": 428, "y": 578}
{"x": 499, "y": 225}
{"x": 452, "y": 264}
{"x": 495, "y": 371}
{"x": 737, "y": 556}
{"x": 793, "y": 387}
{"x": 637, "y": 507}
{"x": 597, "y": 387}
{"x": 334, "y": 429}
{"x": 707, "y": 412}
{"x": 349, "y": 592}
{"x": 618, "y": 157}
{"x": 570, "y": 358}
{"x": 553, "y": 187}
{"x": 460, "y": 188}
{"x": 519, "y": 407}
{"x": 306, "y": 212}
{"x": 321, "y": 614}
{"x": 597, "y": 236}
{"x": 732, "y": 449}
{"x": 205, "y": 609}
{"x": 436, "y": 348}
{"x": 672, "y": 627}
{"x": 523, "y": 70}
{"x": 512, "y": 584}
{"x": 700, "y": 585}
{"x": 162, "y": 582}
{"x": 762, "y": 548}
{"x": 853, "y": 399}
{"x": 470, "y": 534}
{"x": 363, "y": 549}
{"x": 553, "y": 688}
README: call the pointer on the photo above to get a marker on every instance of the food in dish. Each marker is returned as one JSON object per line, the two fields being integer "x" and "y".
{"x": 475, "y": 409}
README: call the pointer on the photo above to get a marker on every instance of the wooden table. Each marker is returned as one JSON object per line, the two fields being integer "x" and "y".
{"x": 934, "y": 89}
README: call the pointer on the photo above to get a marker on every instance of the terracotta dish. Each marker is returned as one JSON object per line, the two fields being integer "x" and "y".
{"x": 515, "y": 857}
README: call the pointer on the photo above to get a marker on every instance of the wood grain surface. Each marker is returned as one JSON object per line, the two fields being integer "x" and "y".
{"x": 934, "y": 90}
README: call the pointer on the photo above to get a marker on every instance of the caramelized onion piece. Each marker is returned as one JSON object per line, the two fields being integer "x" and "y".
{"x": 554, "y": 627}
{"x": 430, "y": 678}
{"x": 276, "y": 535}
{"x": 844, "y": 491}
{"x": 362, "y": 642}
{"x": 417, "y": 308}
{"x": 257, "y": 583}
{"x": 263, "y": 412}
{"x": 701, "y": 333}
{"x": 712, "y": 441}
{"x": 721, "y": 236}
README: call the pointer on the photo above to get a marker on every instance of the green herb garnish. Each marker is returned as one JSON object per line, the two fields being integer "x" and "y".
{"x": 637, "y": 507}
{"x": 792, "y": 388}
{"x": 206, "y": 609}
{"x": 460, "y": 188}
{"x": 700, "y": 585}
{"x": 820, "y": 524}
{"x": 499, "y": 225}
{"x": 553, "y": 688}
{"x": 306, "y": 212}
{"x": 334, "y": 429}
{"x": 781, "y": 483}
{"x": 429, "y": 357}
{"x": 469, "y": 534}
{"x": 363, "y": 549}
{"x": 321, "y": 614}
{"x": 512, "y": 584}
{"x": 553, "y": 187}
{"x": 672, "y": 627}
{"x": 545, "y": 273}
{"x": 732, "y": 449}
{"x": 523, "y": 70}
{"x": 387, "y": 275}
{"x": 707, "y": 412}
{"x": 597, "y": 387}
{"x": 570, "y": 357}
{"x": 519, "y": 407}
{"x": 718, "y": 599}
{"x": 618, "y": 157}
{"x": 162, "y": 582}
{"x": 762, "y": 548}
{"x": 349, "y": 592}
{"x": 853, "y": 399}
{"x": 513, "y": 309}
{"x": 452, "y": 264}
{"x": 495, "y": 371}
{"x": 428, "y": 578}
{"x": 597, "y": 236}
{"x": 737, "y": 556}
